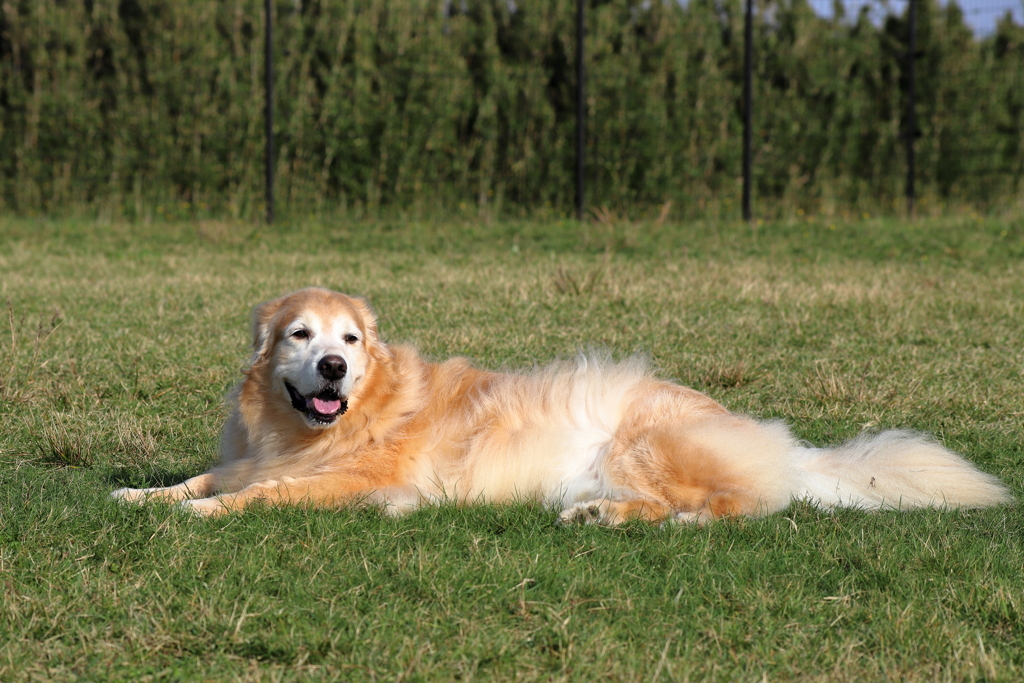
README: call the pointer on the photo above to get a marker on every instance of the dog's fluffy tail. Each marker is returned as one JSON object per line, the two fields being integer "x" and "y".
{"x": 895, "y": 470}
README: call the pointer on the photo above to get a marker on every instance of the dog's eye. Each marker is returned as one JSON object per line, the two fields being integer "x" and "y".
{"x": 351, "y": 338}
{"x": 300, "y": 334}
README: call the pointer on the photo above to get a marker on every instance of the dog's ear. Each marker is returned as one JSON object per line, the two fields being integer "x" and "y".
{"x": 263, "y": 330}
{"x": 369, "y": 318}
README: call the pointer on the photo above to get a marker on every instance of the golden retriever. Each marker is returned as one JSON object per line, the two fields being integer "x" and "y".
{"x": 329, "y": 415}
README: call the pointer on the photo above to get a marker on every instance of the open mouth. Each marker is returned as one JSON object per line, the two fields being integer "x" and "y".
{"x": 323, "y": 407}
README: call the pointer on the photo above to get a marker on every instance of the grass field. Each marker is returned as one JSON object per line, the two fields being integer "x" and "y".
{"x": 122, "y": 341}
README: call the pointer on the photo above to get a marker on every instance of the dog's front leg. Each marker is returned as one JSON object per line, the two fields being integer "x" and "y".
{"x": 325, "y": 490}
{"x": 196, "y": 487}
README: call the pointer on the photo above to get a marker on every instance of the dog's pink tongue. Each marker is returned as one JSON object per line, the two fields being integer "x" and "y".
{"x": 326, "y": 407}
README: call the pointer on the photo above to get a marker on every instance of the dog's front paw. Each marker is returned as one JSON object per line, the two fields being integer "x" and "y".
{"x": 581, "y": 513}
{"x": 203, "y": 507}
{"x": 129, "y": 495}
{"x": 396, "y": 510}
{"x": 394, "y": 501}
{"x": 696, "y": 517}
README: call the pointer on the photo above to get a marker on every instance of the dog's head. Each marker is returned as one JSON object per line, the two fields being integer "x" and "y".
{"x": 314, "y": 348}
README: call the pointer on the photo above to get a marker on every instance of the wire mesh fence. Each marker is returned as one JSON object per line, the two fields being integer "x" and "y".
{"x": 144, "y": 107}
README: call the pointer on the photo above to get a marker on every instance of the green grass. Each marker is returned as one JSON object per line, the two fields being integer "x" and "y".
{"x": 122, "y": 341}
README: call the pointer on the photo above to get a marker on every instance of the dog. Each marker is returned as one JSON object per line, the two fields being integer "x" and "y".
{"x": 327, "y": 414}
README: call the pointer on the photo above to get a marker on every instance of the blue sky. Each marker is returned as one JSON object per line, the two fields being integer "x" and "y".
{"x": 981, "y": 15}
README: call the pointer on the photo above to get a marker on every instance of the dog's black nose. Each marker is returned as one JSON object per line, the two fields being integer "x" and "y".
{"x": 332, "y": 367}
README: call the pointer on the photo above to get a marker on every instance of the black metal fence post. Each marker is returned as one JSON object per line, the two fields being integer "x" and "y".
{"x": 748, "y": 104}
{"x": 581, "y": 109}
{"x": 268, "y": 65}
{"x": 911, "y": 130}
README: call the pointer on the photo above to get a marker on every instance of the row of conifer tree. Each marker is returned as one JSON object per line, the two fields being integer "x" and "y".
{"x": 434, "y": 104}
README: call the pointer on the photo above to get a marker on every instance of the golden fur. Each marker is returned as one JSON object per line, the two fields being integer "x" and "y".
{"x": 329, "y": 415}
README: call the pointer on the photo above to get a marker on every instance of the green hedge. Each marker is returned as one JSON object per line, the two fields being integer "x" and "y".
{"x": 135, "y": 106}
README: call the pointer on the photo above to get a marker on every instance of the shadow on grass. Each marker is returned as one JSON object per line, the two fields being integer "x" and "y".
{"x": 133, "y": 477}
